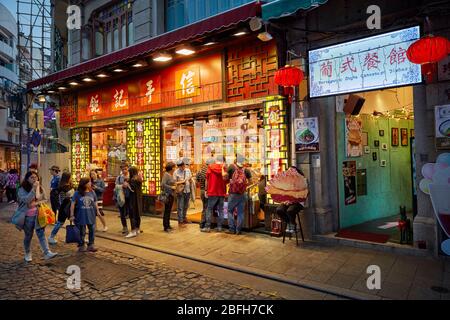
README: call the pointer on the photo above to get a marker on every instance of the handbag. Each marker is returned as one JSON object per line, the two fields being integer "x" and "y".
{"x": 180, "y": 187}
{"x": 72, "y": 234}
{"x": 163, "y": 197}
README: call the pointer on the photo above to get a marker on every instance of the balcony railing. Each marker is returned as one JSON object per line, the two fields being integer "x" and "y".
{"x": 8, "y": 51}
{"x": 8, "y": 74}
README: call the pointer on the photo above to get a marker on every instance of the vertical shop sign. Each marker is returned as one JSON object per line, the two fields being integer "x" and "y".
{"x": 81, "y": 152}
{"x": 349, "y": 174}
{"x": 353, "y": 137}
{"x": 442, "y": 125}
{"x": 306, "y": 135}
{"x": 187, "y": 82}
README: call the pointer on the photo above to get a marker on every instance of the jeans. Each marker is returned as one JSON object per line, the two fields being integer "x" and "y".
{"x": 29, "y": 227}
{"x": 56, "y": 228}
{"x": 82, "y": 228}
{"x": 212, "y": 202}
{"x": 123, "y": 216}
{"x": 167, "y": 211}
{"x": 205, "y": 207}
{"x": 236, "y": 201}
{"x": 183, "y": 205}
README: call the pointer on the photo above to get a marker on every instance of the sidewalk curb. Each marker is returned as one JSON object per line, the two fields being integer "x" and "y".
{"x": 311, "y": 285}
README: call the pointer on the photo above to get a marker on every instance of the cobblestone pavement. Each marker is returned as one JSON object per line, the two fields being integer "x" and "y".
{"x": 35, "y": 280}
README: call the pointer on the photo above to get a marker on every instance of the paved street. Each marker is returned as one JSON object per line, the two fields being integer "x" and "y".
{"x": 332, "y": 268}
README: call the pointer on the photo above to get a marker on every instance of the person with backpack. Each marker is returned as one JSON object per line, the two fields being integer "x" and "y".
{"x": 84, "y": 211}
{"x": 121, "y": 196}
{"x": 239, "y": 180}
{"x": 65, "y": 194}
{"x": 216, "y": 190}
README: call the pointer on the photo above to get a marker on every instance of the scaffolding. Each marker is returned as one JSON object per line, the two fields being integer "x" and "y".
{"x": 35, "y": 33}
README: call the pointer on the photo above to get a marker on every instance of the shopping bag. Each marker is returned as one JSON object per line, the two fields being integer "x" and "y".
{"x": 45, "y": 215}
{"x": 72, "y": 234}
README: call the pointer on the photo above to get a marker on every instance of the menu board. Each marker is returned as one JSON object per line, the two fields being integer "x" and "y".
{"x": 442, "y": 125}
{"x": 306, "y": 135}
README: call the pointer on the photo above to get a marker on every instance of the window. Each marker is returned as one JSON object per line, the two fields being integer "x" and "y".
{"x": 183, "y": 12}
{"x": 118, "y": 26}
{"x": 10, "y": 137}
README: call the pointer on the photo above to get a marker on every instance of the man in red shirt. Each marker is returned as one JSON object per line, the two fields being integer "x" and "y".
{"x": 216, "y": 183}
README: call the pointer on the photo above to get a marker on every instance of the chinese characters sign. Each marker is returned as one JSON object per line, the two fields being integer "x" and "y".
{"x": 306, "y": 135}
{"x": 187, "y": 83}
{"x": 371, "y": 63}
{"x": 81, "y": 152}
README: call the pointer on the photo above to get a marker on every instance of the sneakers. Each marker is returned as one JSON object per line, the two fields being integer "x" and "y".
{"x": 52, "y": 240}
{"x": 82, "y": 249}
{"x": 50, "y": 255}
{"x": 205, "y": 230}
{"x": 125, "y": 231}
{"x": 28, "y": 257}
{"x": 132, "y": 234}
{"x": 105, "y": 229}
{"x": 92, "y": 248}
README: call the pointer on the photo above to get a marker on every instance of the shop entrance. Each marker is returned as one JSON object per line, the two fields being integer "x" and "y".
{"x": 229, "y": 134}
{"x": 376, "y": 166}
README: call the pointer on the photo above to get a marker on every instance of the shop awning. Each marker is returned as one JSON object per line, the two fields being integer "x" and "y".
{"x": 280, "y": 8}
{"x": 166, "y": 40}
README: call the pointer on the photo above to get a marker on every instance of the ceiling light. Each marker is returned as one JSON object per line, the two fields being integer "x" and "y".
{"x": 185, "y": 50}
{"x": 118, "y": 70}
{"x": 62, "y": 88}
{"x": 140, "y": 63}
{"x": 102, "y": 75}
{"x": 162, "y": 57}
{"x": 87, "y": 79}
{"x": 73, "y": 83}
{"x": 240, "y": 33}
{"x": 51, "y": 91}
{"x": 210, "y": 43}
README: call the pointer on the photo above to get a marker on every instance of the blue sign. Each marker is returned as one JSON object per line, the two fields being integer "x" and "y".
{"x": 361, "y": 65}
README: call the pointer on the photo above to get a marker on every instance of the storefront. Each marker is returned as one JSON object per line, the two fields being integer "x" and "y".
{"x": 222, "y": 103}
{"x": 371, "y": 79}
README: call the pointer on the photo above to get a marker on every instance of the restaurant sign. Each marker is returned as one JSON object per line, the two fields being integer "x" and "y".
{"x": 366, "y": 64}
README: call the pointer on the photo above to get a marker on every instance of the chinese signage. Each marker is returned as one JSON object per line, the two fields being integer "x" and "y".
{"x": 171, "y": 87}
{"x": 442, "y": 120}
{"x": 353, "y": 137}
{"x": 143, "y": 151}
{"x": 371, "y": 63}
{"x": 81, "y": 152}
{"x": 306, "y": 135}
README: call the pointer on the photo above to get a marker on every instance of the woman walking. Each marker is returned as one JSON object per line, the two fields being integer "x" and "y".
{"x": 168, "y": 185}
{"x": 135, "y": 201}
{"x": 65, "y": 194}
{"x": 31, "y": 195}
{"x": 83, "y": 211}
{"x": 98, "y": 185}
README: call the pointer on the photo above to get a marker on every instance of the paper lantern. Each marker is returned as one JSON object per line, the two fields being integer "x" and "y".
{"x": 429, "y": 49}
{"x": 288, "y": 77}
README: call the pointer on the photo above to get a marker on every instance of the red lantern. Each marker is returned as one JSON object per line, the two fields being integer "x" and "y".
{"x": 428, "y": 49}
{"x": 288, "y": 77}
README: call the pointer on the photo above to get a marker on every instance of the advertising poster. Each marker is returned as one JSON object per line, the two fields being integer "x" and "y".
{"x": 307, "y": 135}
{"x": 353, "y": 137}
{"x": 349, "y": 173}
{"x": 442, "y": 120}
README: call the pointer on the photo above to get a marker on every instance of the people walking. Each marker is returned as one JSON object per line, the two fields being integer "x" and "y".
{"x": 12, "y": 179}
{"x": 98, "y": 185}
{"x": 83, "y": 211}
{"x": 54, "y": 193}
{"x": 135, "y": 201}
{"x": 168, "y": 186}
{"x": 239, "y": 180}
{"x": 184, "y": 178}
{"x": 65, "y": 194}
{"x": 30, "y": 196}
{"x": 121, "y": 196}
{"x": 216, "y": 190}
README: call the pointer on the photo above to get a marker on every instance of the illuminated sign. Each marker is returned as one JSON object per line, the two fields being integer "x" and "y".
{"x": 367, "y": 64}
{"x": 81, "y": 152}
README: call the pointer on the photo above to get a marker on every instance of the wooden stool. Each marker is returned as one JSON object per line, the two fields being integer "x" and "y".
{"x": 295, "y": 229}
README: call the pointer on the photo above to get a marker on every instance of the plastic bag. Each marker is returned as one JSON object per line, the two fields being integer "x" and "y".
{"x": 45, "y": 215}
